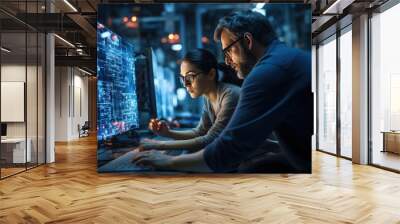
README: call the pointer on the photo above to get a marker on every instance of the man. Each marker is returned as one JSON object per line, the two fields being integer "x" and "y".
{"x": 275, "y": 96}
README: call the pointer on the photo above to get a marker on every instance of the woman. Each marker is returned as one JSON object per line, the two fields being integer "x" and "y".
{"x": 199, "y": 74}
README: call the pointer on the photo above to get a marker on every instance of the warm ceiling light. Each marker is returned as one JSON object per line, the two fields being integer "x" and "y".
{"x": 70, "y": 5}
{"x": 173, "y": 36}
{"x": 134, "y": 19}
{"x": 338, "y": 6}
{"x": 65, "y": 41}
{"x": 5, "y": 50}
{"x": 84, "y": 71}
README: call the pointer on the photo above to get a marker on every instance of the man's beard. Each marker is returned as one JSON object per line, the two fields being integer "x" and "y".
{"x": 247, "y": 63}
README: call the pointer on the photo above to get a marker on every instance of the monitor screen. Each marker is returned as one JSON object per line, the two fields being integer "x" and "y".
{"x": 117, "y": 107}
{"x": 164, "y": 87}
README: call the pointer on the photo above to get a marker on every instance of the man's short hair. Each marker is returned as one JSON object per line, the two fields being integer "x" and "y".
{"x": 246, "y": 21}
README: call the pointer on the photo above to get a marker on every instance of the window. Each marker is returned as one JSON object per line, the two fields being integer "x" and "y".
{"x": 327, "y": 95}
{"x": 346, "y": 92}
{"x": 385, "y": 88}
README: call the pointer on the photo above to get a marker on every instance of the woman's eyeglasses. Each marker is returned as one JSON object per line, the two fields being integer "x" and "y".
{"x": 188, "y": 78}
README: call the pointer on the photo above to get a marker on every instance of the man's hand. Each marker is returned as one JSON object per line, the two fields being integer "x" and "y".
{"x": 153, "y": 159}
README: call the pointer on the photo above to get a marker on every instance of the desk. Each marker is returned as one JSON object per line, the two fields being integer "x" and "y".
{"x": 391, "y": 141}
{"x": 13, "y": 150}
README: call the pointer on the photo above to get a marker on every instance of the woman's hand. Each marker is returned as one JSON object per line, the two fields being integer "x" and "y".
{"x": 159, "y": 127}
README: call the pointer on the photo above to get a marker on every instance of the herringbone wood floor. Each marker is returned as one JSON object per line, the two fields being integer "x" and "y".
{"x": 71, "y": 191}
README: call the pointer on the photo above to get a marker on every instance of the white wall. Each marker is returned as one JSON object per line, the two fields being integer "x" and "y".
{"x": 61, "y": 103}
{"x": 71, "y": 102}
{"x": 81, "y": 103}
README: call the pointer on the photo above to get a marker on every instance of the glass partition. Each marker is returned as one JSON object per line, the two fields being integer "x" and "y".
{"x": 22, "y": 89}
{"x": 14, "y": 152}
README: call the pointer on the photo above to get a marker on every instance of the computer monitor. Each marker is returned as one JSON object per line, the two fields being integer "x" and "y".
{"x": 164, "y": 87}
{"x": 3, "y": 130}
{"x": 117, "y": 105}
{"x": 151, "y": 71}
{"x": 145, "y": 88}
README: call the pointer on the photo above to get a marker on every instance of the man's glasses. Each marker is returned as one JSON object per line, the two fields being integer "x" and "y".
{"x": 227, "y": 50}
{"x": 188, "y": 78}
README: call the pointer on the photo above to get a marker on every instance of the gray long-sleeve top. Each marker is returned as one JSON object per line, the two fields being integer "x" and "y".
{"x": 213, "y": 120}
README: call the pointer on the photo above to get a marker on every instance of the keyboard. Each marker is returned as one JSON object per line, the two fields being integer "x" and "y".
{"x": 122, "y": 164}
